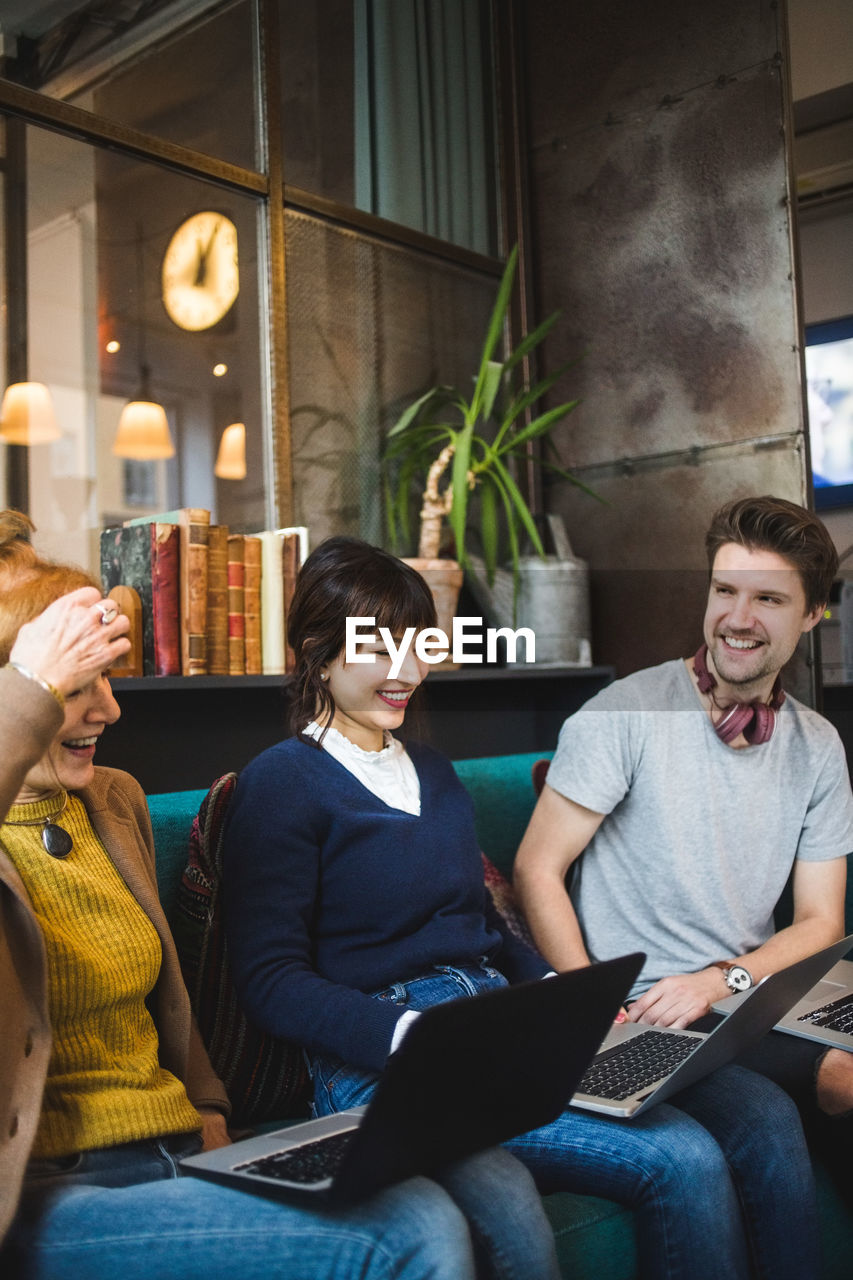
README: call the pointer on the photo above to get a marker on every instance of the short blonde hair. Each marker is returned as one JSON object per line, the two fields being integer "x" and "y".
{"x": 28, "y": 582}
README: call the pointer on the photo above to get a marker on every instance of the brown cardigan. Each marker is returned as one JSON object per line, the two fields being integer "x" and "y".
{"x": 29, "y": 718}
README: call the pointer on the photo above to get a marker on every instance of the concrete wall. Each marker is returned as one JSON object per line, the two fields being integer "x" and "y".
{"x": 660, "y": 225}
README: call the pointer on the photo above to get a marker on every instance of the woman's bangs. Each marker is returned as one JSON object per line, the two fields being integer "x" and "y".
{"x": 407, "y": 605}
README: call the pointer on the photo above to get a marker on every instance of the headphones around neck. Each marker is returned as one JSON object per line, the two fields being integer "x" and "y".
{"x": 755, "y": 720}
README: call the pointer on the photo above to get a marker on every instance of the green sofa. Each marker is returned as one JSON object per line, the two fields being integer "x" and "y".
{"x": 595, "y": 1238}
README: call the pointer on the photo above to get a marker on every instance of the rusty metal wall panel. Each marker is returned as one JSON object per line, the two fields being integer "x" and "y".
{"x": 646, "y": 548}
{"x": 630, "y": 56}
{"x": 667, "y": 246}
{"x": 660, "y": 226}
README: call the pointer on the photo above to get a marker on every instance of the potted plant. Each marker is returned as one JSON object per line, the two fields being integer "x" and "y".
{"x": 466, "y": 444}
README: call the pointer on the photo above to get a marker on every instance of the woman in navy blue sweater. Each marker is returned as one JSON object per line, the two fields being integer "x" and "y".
{"x": 355, "y": 898}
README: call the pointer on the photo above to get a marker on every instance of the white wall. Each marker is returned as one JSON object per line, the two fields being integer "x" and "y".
{"x": 821, "y": 35}
{"x": 821, "y": 45}
{"x": 826, "y": 263}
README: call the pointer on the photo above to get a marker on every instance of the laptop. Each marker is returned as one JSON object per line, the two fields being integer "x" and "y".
{"x": 469, "y": 1075}
{"x": 825, "y": 1013}
{"x": 639, "y": 1066}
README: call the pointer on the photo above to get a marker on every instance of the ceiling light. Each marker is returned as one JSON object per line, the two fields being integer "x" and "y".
{"x": 27, "y": 415}
{"x": 231, "y": 458}
{"x": 143, "y": 432}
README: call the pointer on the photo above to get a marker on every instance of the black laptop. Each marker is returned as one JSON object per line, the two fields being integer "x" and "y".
{"x": 469, "y": 1075}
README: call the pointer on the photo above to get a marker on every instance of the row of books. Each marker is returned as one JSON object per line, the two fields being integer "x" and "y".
{"x": 209, "y": 602}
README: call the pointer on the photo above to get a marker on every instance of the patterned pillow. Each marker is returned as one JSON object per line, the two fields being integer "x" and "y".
{"x": 266, "y": 1078}
{"x": 503, "y": 896}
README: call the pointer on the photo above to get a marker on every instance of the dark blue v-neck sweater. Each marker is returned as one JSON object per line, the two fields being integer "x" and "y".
{"x": 329, "y": 893}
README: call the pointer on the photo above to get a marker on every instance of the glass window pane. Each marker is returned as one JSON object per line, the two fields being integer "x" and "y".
{"x": 371, "y": 326}
{"x": 99, "y": 334}
{"x": 388, "y": 105}
{"x": 4, "y": 298}
{"x": 317, "y": 105}
{"x": 195, "y": 88}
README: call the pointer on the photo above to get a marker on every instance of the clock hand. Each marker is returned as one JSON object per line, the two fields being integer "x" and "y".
{"x": 200, "y": 266}
{"x": 203, "y": 255}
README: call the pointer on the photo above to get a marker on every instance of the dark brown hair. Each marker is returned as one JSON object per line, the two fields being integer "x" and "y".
{"x": 346, "y": 578}
{"x": 773, "y": 524}
{"x": 28, "y": 582}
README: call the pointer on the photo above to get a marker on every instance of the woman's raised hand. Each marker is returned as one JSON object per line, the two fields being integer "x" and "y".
{"x": 76, "y": 637}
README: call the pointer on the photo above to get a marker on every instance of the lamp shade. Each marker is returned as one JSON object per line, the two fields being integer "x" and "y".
{"x": 143, "y": 432}
{"x": 27, "y": 416}
{"x": 231, "y": 458}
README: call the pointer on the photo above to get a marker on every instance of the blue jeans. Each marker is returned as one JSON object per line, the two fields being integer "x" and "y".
{"x": 720, "y": 1178}
{"x": 508, "y": 1246}
{"x": 126, "y": 1212}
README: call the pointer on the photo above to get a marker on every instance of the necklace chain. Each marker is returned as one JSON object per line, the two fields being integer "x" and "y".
{"x": 37, "y": 822}
{"x": 55, "y": 840}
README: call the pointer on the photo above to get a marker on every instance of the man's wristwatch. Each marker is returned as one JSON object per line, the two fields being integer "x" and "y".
{"x": 737, "y": 978}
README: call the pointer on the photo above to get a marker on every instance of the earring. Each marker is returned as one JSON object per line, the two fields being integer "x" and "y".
{"x": 324, "y": 675}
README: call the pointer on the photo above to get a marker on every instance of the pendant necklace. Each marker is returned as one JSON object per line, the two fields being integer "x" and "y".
{"x": 56, "y": 840}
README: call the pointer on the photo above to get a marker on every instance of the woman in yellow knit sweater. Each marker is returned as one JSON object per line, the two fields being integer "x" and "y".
{"x": 104, "y": 1081}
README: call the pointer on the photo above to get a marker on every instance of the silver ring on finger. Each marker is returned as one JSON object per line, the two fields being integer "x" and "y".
{"x": 108, "y": 612}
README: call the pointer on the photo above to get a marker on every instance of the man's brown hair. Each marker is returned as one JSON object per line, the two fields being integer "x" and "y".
{"x": 774, "y": 524}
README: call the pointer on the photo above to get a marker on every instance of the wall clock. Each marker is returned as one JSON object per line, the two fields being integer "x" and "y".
{"x": 200, "y": 277}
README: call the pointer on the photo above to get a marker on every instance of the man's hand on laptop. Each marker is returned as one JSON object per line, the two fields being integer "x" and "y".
{"x": 679, "y": 1000}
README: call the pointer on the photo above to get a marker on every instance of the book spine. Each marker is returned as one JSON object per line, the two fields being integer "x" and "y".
{"x": 236, "y": 606}
{"x": 272, "y": 603}
{"x": 128, "y": 602}
{"x": 195, "y": 531}
{"x": 217, "y": 601}
{"x": 290, "y": 560}
{"x": 253, "y": 574}
{"x": 165, "y": 575}
{"x": 126, "y": 562}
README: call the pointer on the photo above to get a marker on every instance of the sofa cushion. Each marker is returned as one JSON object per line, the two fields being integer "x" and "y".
{"x": 595, "y": 1238}
{"x": 503, "y": 796}
{"x": 503, "y": 896}
{"x": 266, "y": 1078}
{"x": 172, "y": 814}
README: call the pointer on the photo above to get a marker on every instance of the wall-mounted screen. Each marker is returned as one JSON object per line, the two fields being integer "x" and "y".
{"x": 829, "y": 379}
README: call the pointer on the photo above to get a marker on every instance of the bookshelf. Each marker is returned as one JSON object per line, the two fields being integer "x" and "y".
{"x": 177, "y": 733}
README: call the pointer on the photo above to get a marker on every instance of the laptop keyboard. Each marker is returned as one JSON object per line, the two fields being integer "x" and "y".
{"x": 837, "y": 1015}
{"x": 312, "y": 1162}
{"x": 638, "y": 1063}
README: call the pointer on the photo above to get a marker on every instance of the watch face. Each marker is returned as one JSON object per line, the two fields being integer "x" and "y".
{"x": 200, "y": 277}
{"x": 738, "y": 978}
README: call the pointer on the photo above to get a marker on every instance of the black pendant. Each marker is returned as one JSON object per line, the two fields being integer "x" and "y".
{"x": 56, "y": 840}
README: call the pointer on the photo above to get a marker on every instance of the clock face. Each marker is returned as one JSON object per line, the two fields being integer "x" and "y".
{"x": 200, "y": 278}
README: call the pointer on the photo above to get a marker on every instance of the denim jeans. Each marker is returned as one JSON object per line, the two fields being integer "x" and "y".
{"x": 148, "y": 1160}
{"x": 720, "y": 1177}
{"x": 128, "y": 1213}
{"x": 514, "y": 1245}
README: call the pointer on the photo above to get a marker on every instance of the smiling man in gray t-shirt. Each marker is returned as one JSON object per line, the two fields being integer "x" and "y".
{"x": 692, "y": 790}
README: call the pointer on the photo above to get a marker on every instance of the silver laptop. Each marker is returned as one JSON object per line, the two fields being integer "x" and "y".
{"x": 639, "y": 1066}
{"x": 825, "y": 1013}
{"x": 469, "y": 1074}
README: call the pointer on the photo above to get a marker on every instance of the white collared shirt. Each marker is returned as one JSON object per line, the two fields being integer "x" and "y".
{"x": 389, "y": 773}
